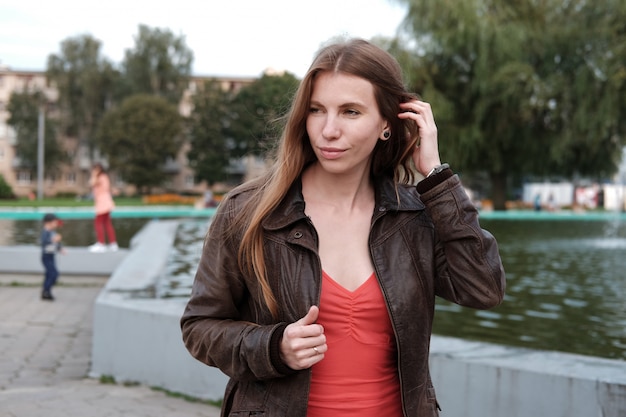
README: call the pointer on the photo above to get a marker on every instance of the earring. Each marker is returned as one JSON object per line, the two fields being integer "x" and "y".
{"x": 386, "y": 134}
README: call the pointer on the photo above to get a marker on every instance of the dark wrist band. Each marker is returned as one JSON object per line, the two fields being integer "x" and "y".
{"x": 434, "y": 179}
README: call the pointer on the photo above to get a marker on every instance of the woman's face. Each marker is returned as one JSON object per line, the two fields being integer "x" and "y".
{"x": 344, "y": 122}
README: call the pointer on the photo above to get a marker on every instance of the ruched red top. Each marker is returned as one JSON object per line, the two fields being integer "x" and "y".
{"x": 358, "y": 375}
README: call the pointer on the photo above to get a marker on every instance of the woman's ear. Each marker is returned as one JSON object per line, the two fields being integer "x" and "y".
{"x": 386, "y": 132}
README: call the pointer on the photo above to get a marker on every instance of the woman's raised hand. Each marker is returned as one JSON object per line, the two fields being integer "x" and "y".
{"x": 426, "y": 153}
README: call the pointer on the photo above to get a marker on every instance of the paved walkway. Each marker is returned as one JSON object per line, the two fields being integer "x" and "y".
{"x": 45, "y": 350}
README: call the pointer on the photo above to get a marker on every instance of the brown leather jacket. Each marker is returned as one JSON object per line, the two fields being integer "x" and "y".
{"x": 425, "y": 245}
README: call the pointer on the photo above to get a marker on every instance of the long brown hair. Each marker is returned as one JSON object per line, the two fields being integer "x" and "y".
{"x": 390, "y": 157}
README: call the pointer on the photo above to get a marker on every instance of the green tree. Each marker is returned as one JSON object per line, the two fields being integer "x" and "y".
{"x": 256, "y": 110}
{"x": 211, "y": 150}
{"x": 159, "y": 64}
{"x": 138, "y": 137}
{"x": 24, "y": 119}
{"x": 87, "y": 85}
{"x": 525, "y": 87}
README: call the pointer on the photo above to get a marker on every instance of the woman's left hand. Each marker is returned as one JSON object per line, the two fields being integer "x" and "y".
{"x": 426, "y": 153}
{"x": 304, "y": 342}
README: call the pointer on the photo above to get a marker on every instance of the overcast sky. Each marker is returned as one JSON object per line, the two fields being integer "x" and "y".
{"x": 227, "y": 37}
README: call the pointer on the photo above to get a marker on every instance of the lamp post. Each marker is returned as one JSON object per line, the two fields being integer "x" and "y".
{"x": 40, "y": 148}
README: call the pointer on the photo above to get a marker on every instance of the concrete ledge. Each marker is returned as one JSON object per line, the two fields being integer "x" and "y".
{"x": 136, "y": 337}
{"x": 139, "y": 272}
{"x": 487, "y": 380}
{"x": 26, "y": 259}
{"x": 140, "y": 341}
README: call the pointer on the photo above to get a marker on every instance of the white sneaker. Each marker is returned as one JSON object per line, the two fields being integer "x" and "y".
{"x": 97, "y": 247}
{"x": 113, "y": 247}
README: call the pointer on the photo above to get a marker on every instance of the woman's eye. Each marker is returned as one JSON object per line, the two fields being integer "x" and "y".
{"x": 314, "y": 110}
{"x": 352, "y": 112}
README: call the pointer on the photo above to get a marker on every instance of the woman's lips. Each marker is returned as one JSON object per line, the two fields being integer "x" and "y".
{"x": 331, "y": 153}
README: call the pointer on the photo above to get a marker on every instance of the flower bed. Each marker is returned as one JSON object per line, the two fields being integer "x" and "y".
{"x": 170, "y": 199}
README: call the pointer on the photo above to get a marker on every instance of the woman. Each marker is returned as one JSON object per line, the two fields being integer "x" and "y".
{"x": 316, "y": 287}
{"x": 104, "y": 205}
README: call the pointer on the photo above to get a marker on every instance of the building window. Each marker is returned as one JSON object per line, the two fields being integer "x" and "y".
{"x": 23, "y": 178}
{"x": 189, "y": 181}
{"x": 70, "y": 178}
{"x": 11, "y": 135}
{"x": 1, "y": 154}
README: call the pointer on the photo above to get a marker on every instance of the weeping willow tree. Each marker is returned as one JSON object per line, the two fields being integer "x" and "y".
{"x": 521, "y": 87}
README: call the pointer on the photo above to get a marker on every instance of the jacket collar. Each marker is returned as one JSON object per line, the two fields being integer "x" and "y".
{"x": 406, "y": 198}
{"x": 291, "y": 208}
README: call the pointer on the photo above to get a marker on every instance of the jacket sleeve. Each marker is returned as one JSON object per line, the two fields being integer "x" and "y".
{"x": 469, "y": 270}
{"x": 212, "y": 326}
{"x": 47, "y": 245}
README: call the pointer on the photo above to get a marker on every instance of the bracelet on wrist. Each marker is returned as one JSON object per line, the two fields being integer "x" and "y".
{"x": 436, "y": 170}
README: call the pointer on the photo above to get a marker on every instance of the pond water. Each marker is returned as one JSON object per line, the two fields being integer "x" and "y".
{"x": 566, "y": 289}
{"x": 75, "y": 232}
{"x": 566, "y": 280}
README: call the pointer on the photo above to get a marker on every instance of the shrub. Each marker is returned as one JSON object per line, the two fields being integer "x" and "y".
{"x": 169, "y": 199}
{"x": 66, "y": 194}
{"x": 5, "y": 189}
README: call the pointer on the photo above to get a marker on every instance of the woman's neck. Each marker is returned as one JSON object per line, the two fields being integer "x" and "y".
{"x": 346, "y": 192}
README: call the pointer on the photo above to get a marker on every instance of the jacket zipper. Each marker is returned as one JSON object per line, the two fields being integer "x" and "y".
{"x": 380, "y": 213}
{"x": 319, "y": 289}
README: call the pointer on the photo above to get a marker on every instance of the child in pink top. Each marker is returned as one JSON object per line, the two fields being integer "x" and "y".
{"x": 104, "y": 205}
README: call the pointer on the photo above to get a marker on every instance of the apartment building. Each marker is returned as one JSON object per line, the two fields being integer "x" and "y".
{"x": 11, "y": 169}
{"x": 73, "y": 178}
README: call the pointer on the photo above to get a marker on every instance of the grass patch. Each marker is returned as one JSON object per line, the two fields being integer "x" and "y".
{"x": 21, "y": 284}
{"x": 107, "y": 379}
{"x": 18, "y": 284}
{"x": 188, "y": 398}
{"x": 67, "y": 202}
{"x": 110, "y": 380}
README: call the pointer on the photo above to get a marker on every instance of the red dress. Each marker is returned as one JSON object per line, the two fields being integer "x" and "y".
{"x": 358, "y": 375}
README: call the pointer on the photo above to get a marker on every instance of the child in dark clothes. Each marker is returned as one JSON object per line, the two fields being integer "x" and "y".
{"x": 50, "y": 244}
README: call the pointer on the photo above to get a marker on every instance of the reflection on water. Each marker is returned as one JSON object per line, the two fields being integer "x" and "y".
{"x": 75, "y": 232}
{"x": 566, "y": 281}
{"x": 184, "y": 258}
